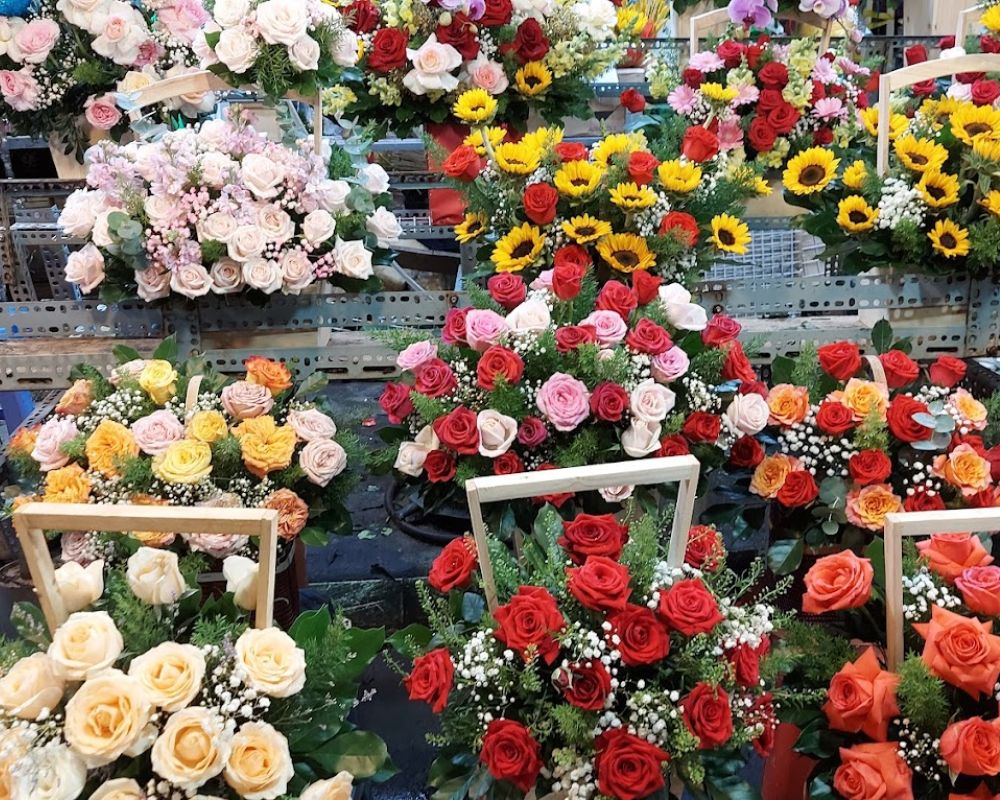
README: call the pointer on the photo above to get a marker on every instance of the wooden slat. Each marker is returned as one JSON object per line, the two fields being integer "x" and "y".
{"x": 965, "y": 17}
{"x": 702, "y": 23}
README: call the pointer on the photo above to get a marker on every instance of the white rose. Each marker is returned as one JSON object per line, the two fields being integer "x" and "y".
{"x": 85, "y": 645}
{"x": 318, "y": 226}
{"x": 77, "y": 216}
{"x": 374, "y": 178}
{"x": 352, "y": 258}
{"x": 101, "y": 234}
{"x": 191, "y": 280}
{"x": 31, "y": 687}
{"x": 296, "y": 271}
{"x": 272, "y": 662}
{"x": 432, "y": 66}
{"x": 259, "y": 273}
{"x": 259, "y": 765}
{"x": 85, "y": 268}
{"x": 230, "y": 13}
{"x": 227, "y": 276}
{"x": 216, "y": 169}
{"x": 282, "y": 21}
{"x": 304, "y": 54}
{"x": 531, "y": 315}
{"x": 651, "y": 402}
{"x": 345, "y": 49}
{"x": 154, "y": 577}
{"x": 952, "y": 52}
{"x": 311, "y": 423}
{"x": 616, "y": 494}
{"x": 121, "y": 31}
{"x": 496, "y": 432}
{"x": 246, "y": 243}
{"x": 322, "y": 460}
{"x": 641, "y": 438}
{"x": 217, "y": 227}
{"x": 119, "y": 789}
{"x": 336, "y": 788}
{"x": 241, "y": 574}
{"x": 747, "y": 413}
{"x": 80, "y": 12}
{"x": 52, "y": 772}
{"x": 153, "y": 283}
{"x": 332, "y": 195}
{"x": 262, "y": 175}
{"x": 171, "y": 674}
{"x": 536, "y": 9}
{"x": 681, "y": 312}
{"x": 412, "y": 455}
{"x": 134, "y": 81}
{"x": 597, "y": 18}
{"x": 161, "y": 209}
{"x": 192, "y": 749}
{"x": 80, "y": 586}
{"x": 275, "y": 223}
{"x": 384, "y": 225}
{"x": 213, "y": 133}
{"x": 237, "y": 49}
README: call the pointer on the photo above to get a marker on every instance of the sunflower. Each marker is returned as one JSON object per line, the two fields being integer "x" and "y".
{"x": 991, "y": 19}
{"x": 518, "y": 249}
{"x": 585, "y": 228}
{"x": 939, "y": 112}
{"x": 679, "y": 176}
{"x": 972, "y": 122}
{"x": 949, "y": 239}
{"x": 578, "y": 178}
{"x": 475, "y": 106}
{"x": 761, "y": 186}
{"x": 632, "y": 197}
{"x": 626, "y": 252}
{"x": 470, "y": 228}
{"x": 518, "y": 158}
{"x": 718, "y": 92}
{"x": 810, "y": 171}
{"x": 898, "y": 123}
{"x": 992, "y": 202}
{"x": 855, "y": 175}
{"x": 939, "y": 189}
{"x": 988, "y": 149}
{"x": 545, "y": 138}
{"x": 475, "y": 139}
{"x": 854, "y": 214}
{"x": 920, "y": 155}
{"x": 533, "y": 78}
{"x": 615, "y": 144}
{"x": 729, "y": 234}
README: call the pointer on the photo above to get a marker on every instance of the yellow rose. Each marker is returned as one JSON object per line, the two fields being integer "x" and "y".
{"x": 107, "y": 718}
{"x": 119, "y": 789}
{"x": 159, "y": 380}
{"x": 863, "y": 397}
{"x": 788, "y": 404}
{"x": 964, "y": 469}
{"x": 273, "y": 664}
{"x": 31, "y": 686}
{"x": 868, "y": 507}
{"x": 266, "y": 447}
{"x": 68, "y": 484}
{"x": 259, "y": 764}
{"x": 192, "y": 748}
{"x": 770, "y": 475}
{"x": 184, "y": 462}
{"x": 170, "y": 673}
{"x": 76, "y": 398}
{"x": 336, "y": 788}
{"x": 86, "y": 644}
{"x": 207, "y": 427}
{"x": 109, "y": 445}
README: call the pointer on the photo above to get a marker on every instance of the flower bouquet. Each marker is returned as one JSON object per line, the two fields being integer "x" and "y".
{"x": 223, "y": 210}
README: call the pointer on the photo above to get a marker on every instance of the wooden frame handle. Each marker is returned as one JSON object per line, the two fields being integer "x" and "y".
{"x": 704, "y": 22}
{"x": 964, "y": 17}
{"x": 33, "y": 519}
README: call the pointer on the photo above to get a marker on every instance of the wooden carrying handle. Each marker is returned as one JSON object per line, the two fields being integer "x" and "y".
{"x": 915, "y": 73}
{"x": 964, "y": 18}
{"x": 878, "y": 371}
{"x": 710, "y": 19}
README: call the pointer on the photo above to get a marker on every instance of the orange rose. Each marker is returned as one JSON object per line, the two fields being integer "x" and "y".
{"x": 76, "y": 398}
{"x": 789, "y": 404}
{"x": 151, "y": 538}
{"x": 292, "y": 512}
{"x": 982, "y": 792}
{"x": 266, "y": 446}
{"x": 836, "y": 582}
{"x": 863, "y": 397}
{"x": 868, "y": 506}
{"x": 109, "y": 445}
{"x": 970, "y": 409}
{"x": 972, "y": 746}
{"x": 862, "y": 698}
{"x": 873, "y": 772}
{"x": 23, "y": 440}
{"x": 68, "y": 484}
{"x": 770, "y": 475}
{"x": 964, "y": 469}
{"x": 962, "y": 651}
{"x": 273, "y": 375}
{"x": 950, "y": 554}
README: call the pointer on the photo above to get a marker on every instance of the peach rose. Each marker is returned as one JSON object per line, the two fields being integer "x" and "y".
{"x": 788, "y": 404}
{"x": 76, "y": 398}
{"x": 23, "y": 440}
{"x": 292, "y": 512}
{"x": 68, "y": 484}
{"x": 151, "y": 538}
{"x": 969, "y": 408}
{"x": 107, "y": 718}
{"x": 272, "y": 375}
{"x": 962, "y": 651}
{"x": 266, "y": 446}
{"x": 873, "y": 772}
{"x": 770, "y": 475}
{"x": 30, "y": 687}
{"x": 85, "y": 645}
{"x": 109, "y": 445}
{"x": 244, "y": 400}
{"x": 836, "y": 582}
{"x": 980, "y": 588}
{"x": 170, "y": 673}
{"x": 862, "y": 698}
{"x": 863, "y": 397}
{"x": 972, "y": 747}
{"x": 867, "y": 507}
{"x": 950, "y": 554}
{"x": 964, "y": 469}
{"x": 259, "y": 766}
{"x": 192, "y": 749}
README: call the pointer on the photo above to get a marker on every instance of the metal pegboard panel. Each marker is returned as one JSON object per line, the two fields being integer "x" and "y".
{"x": 47, "y": 370}
{"x": 346, "y": 357}
{"x": 418, "y": 225}
{"x": 983, "y": 320}
{"x": 90, "y": 318}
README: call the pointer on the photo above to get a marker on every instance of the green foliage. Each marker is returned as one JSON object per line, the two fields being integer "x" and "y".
{"x": 13, "y": 651}
{"x": 480, "y": 298}
{"x": 922, "y": 697}
{"x": 142, "y": 626}
{"x": 466, "y": 470}
{"x": 212, "y": 251}
{"x": 507, "y": 399}
{"x": 399, "y": 339}
{"x": 575, "y": 725}
{"x": 429, "y": 408}
{"x": 215, "y": 629}
{"x": 136, "y": 474}
{"x": 581, "y": 450}
{"x": 807, "y": 371}
{"x": 75, "y": 448}
{"x": 991, "y": 435}
{"x": 872, "y": 434}
{"x": 820, "y": 653}
{"x": 911, "y": 241}
{"x": 984, "y": 238}
{"x": 227, "y": 458}
{"x": 707, "y": 365}
{"x": 643, "y": 547}
{"x": 586, "y": 300}
{"x": 192, "y": 565}
{"x": 591, "y": 369}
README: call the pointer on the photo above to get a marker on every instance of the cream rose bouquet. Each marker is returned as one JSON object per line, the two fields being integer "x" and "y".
{"x": 222, "y": 210}
{"x": 134, "y": 699}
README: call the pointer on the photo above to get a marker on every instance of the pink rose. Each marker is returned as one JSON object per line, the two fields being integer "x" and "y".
{"x": 671, "y": 365}
{"x": 56, "y": 432}
{"x": 85, "y": 268}
{"x": 245, "y": 400}
{"x": 610, "y": 327}
{"x": 483, "y": 328}
{"x": 417, "y": 354}
{"x": 564, "y": 401}
{"x": 152, "y": 283}
{"x": 488, "y": 75}
{"x": 311, "y": 423}
{"x": 77, "y": 546}
{"x": 322, "y": 460}
{"x": 182, "y": 19}
{"x": 217, "y": 545}
{"x": 191, "y": 280}
{"x": 130, "y": 370}
{"x": 34, "y": 41}
{"x": 101, "y": 112}
{"x": 156, "y": 432}
{"x": 19, "y": 89}
{"x": 543, "y": 281}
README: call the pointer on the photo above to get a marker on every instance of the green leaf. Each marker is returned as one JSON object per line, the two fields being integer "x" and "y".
{"x": 473, "y": 607}
{"x": 927, "y": 420}
{"x": 412, "y": 640}
{"x": 944, "y": 424}
{"x": 364, "y": 644}
{"x": 312, "y": 386}
{"x": 548, "y": 527}
{"x": 784, "y": 556}
{"x": 167, "y": 350}
{"x": 360, "y": 753}
{"x": 125, "y": 354}
{"x": 781, "y": 369}
{"x": 29, "y": 622}
{"x": 875, "y": 552}
{"x": 310, "y": 626}
{"x": 832, "y": 490}
{"x": 882, "y": 336}
{"x": 314, "y": 536}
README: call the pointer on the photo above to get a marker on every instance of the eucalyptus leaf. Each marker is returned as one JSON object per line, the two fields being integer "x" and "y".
{"x": 925, "y": 419}
{"x": 945, "y": 424}
{"x": 785, "y": 555}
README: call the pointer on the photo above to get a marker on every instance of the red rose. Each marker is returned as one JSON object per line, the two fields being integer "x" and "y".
{"x": 921, "y": 501}
{"x": 969, "y": 77}
{"x": 540, "y": 201}
{"x": 773, "y": 75}
{"x": 769, "y": 100}
{"x": 431, "y": 679}
{"x": 737, "y": 366}
{"x": 834, "y": 418}
{"x": 975, "y": 442}
{"x": 572, "y": 336}
{"x": 363, "y": 16}
{"x": 508, "y": 463}
{"x": 508, "y": 289}
{"x": 702, "y": 427}
{"x": 699, "y": 144}
{"x": 601, "y": 584}
{"x": 762, "y": 712}
{"x": 593, "y": 535}
{"x": 923, "y": 88}
{"x": 682, "y": 226}
{"x": 457, "y": 431}
{"x": 673, "y": 445}
{"x": 616, "y": 296}
{"x": 529, "y": 620}
{"x": 454, "y": 565}
{"x": 901, "y": 422}
{"x": 645, "y": 286}
{"x": 498, "y": 12}
{"x": 498, "y": 362}
{"x": 915, "y": 54}
{"x": 731, "y": 52}
{"x": 746, "y": 452}
{"x": 609, "y": 402}
{"x": 783, "y": 118}
{"x": 572, "y": 254}
{"x": 435, "y": 378}
{"x": 761, "y": 134}
{"x": 720, "y": 329}
{"x": 511, "y": 753}
{"x": 388, "y": 51}
{"x": 557, "y": 499}
{"x": 642, "y": 167}
{"x": 746, "y": 662}
{"x": 708, "y": 716}
{"x": 869, "y": 466}
{"x": 704, "y": 548}
{"x": 530, "y": 42}
{"x": 454, "y": 326}
{"x": 628, "y": 767}
{"x": 754, "y": 52}
{"x": 572, "y": 151}
{"x": 689, "y": 607}
{"x": 841, "y": 360}
{"x": 395, "y": 402}
{"x": 900, "y": 369}
{"x": 754, "y": 387}
{"x": 946, "y": 42}
{"x": 822, "y": 137}
{"x": 798, "y": 490}
{"x": 989, "y": 44}
{"x": 463, "y": 164}
{"x": 567, "y": 277}
{"x": 532, "y": 432}
{"x": 993, "y": 456}
{"x": 693, "y": 77}
{"x": 633, "y": 100}
{"x": 584, "y": 685}
{"x": 947, "y": 371}
{"x": 440, "y": 466}
{"x": 460, "y": 34}
{"x": 648, "y": 337}
{"x": 642, "y": 637}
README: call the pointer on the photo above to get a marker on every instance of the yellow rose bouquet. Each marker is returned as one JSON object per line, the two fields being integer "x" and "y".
{"x": 126, "y": 702}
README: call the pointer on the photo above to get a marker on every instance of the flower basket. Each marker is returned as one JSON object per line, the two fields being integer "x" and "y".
{"x": 702, "y": 23}
{"x": 64, "y": 158}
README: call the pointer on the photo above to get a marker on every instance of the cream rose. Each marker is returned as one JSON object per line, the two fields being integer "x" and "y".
{"x": 531, "y": 315}
{"x": 262, "y": 175}
{"x": 170, "y": 673}
{"x": 747, "y": 413}
{"x": 274, "y": 665}
{"x": 383, "y": 223}
{"x": 412, "y": 455}
{"x": 318, "y": 226}
{"x": 259, "y": 766}
{"x": 336, "y": 788}
{"x": 282, "y": 21}
{"x": 275, "y": 223}
{"x": 54, "y": 433}
{"x": 153, "y": 283}
{"x": 262, "y": 274}
{"x": 352, "y": 258}
{"x": 641, "y": 438}
{"x": 345, "y": 50}
{"x": 78, "y": 215}
{"x": 246, "y": 243}
{"x": 311, "y": 423}
{"x": 651, "y": 402}
{"x": 432, "y": 63}
{"x": 191, "y": 280}
{"x": 217, "y": 227}
{"x": 296, "y": 272}
{"x": 304, "y": 54}
{"x": 80, "y": 586}
{"x": 322, "y": 460}
{"x": 154, "y": 577}
{"x": 227, "y": 276}
{"x": 237, "y": 49}
{"x": 681, "y": 312}
{"x": 85, "y": 268}
{"x": 108, "y": 718}
{"x": 230, "y": 13}
{"x": 135, "y": 81}
{"x": 161, "y": 209}
{"x": 31, "y": 687}
{"x": 496, "y": 432}
{"x": 216, "y": 168}
{"x": 192, "y": 749}
{"x": 332, "y": 195}
{"x": 119, "y": 789}
{"x": 374, "y": 178}
{"x": 242, "y": 575}
{"x": 617, "y": 494}
{"x": 85, "y": 645}
{"x": 51, "y": 772}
